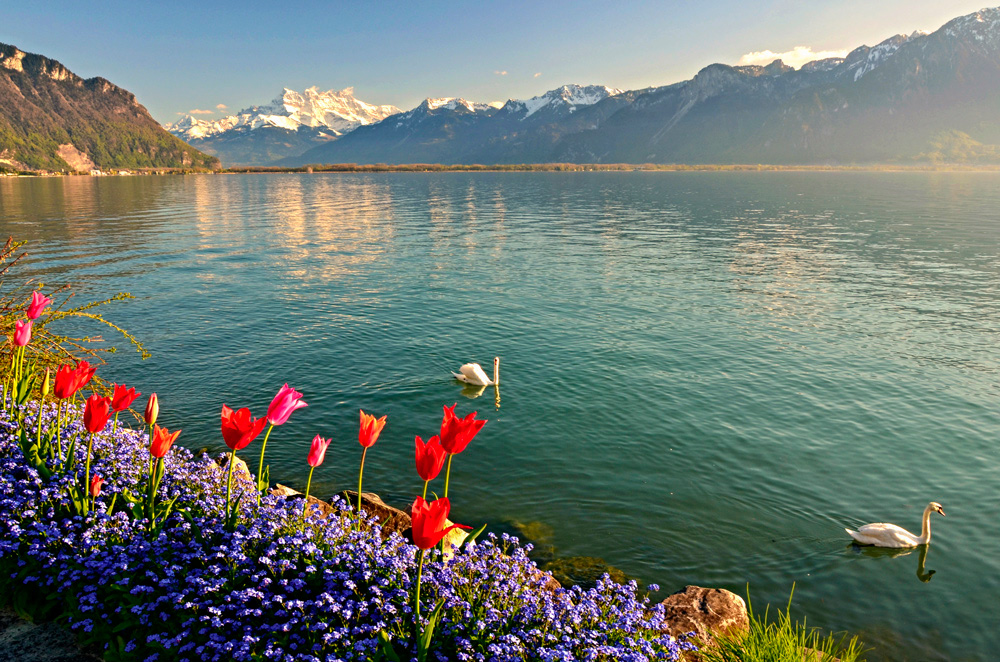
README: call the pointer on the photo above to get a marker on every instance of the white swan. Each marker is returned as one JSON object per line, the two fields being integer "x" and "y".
{"x": 890, "y": 535}
{"x": 472, "y": 373}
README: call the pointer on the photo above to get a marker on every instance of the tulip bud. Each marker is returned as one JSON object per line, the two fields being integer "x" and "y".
{"x": 47, "y": 383}
{"x": 152, "y": 409}
{"x": 95, "y": 486}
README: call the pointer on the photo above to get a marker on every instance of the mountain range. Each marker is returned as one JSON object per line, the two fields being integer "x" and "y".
{"x": 287, "y": 126}
{"x": 911, "y": 98}
{"x": 51, "y": 119}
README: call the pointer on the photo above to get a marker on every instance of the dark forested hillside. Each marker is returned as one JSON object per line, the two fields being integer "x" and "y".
{"x": 51, "y": 119}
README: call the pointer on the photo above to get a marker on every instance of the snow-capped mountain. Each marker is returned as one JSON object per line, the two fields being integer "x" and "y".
{"x": 299, "y": 119}
{"x": 454, "y": 130}
{"x": 862, "y": 60}
{"x": 982, "y": 27}
{"x": 454, "y": 103}
{"x": 338, "y": 111}
{"x": 430, "y": 108}
{"x": 566, "y": 98}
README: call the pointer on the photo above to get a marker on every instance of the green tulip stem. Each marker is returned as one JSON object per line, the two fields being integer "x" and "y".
{"x": 308, "y": 485}
{"x": 154, "y": 487}
{"x": 260, "y": 467}
{"x": 114, "y": 426}
{"x": 150, "y": 445}
{"x": 360, "y": 473}
{"x": 447, "y": 475}
{"x": 59, "y": 409}
{"x": 229, "y": 481}
{"x": 86, "y": 479}
{"x": 149, "y": 489}
{"x": 416, "y": 600}
{"x": 425, "y": 489}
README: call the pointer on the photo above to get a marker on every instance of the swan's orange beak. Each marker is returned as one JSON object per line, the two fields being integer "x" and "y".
{"x": 941, "y": 510}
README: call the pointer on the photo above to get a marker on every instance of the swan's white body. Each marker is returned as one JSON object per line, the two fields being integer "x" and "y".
{"x": 472, "y": 373}
{"x": 881, "y": 534}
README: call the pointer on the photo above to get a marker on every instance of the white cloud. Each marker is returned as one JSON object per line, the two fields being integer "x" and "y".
{"x": 537, "y": 75}
{"x": 200, "y": 111}
{"x": 795, "y": 57}
{"x": 500, "y": 73}
{"x": 221, "y": 106}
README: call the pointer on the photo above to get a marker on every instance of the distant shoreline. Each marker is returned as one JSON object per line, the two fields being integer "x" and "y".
{"x": 608, "y": 167}
{"x": 520, "y": 167}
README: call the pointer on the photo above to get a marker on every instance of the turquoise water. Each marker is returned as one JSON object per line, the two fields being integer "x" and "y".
{"x": 705, "y": 376}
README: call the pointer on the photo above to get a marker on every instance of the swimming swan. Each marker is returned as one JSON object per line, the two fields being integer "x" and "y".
{"x": 472, "y": 373}
{"x": 890, "y": 535}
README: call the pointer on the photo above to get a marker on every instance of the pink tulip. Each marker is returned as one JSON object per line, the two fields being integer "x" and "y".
{"x": 37, "y": 305}
{"x": 22, "y": 333}
{"x": 287, "y": 401}
{"x": 318, "y": 451}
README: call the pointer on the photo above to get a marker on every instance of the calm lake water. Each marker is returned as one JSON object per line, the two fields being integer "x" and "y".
{"x": 705, "y": 376}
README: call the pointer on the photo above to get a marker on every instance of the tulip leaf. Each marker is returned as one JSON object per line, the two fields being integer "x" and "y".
{"x": 22, "y": 389}
{"x": 131, "y": 498}
{"x": 386, "y": 649}
{"x": 189, "y": 518}
{"x": 111, "y": 507}
{"x": 427, "y": 636}
{"x": 471, "y": 538}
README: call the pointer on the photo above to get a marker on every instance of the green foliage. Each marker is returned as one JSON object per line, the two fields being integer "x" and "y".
{"x": 958, "y": 147}
{"x": 47, "y": 349}
{"x": 38, "y": 113}
{"x": 782, "y": 640}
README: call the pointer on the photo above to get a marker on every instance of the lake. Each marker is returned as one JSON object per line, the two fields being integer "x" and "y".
{"x": 705, "y": 377}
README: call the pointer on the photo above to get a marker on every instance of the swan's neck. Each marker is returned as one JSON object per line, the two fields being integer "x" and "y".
{"x": 925, "y": 526}
{"x": 496, "y": 371}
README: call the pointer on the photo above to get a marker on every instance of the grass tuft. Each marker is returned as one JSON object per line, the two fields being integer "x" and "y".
{"x": 782, "y": 640}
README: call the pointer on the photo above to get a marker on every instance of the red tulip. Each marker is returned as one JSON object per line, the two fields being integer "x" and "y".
{"x": 95, "y": 486}
{"x": 22, "y": 333}
{"x": 283, "y": 404}
{"x": 37, "y": 305}
{"x": 152, "y": 409}
{"x": 84, "y": 372}
{"x": 430, "y": 457}
{"x": 65, "y": 382}
{"x": 317, "y": 452}
{"x": 428, "y": 522}
{"x": 456, "y": 433}
{"x": 163, "y": 439}
{"x": 370, "y": 429}
{"x": 96, "y": 413}
{"x": 122, "y": 398}
{"x": 238, "y": 429}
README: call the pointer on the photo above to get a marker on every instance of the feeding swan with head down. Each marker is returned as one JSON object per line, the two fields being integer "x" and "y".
{"x": 472, "y": 373}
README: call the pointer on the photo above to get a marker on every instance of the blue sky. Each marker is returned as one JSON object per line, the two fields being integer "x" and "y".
{"x": 181, "y": 56}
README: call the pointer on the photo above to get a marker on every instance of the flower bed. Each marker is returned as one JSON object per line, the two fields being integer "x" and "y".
{"x": 276, "y": 585}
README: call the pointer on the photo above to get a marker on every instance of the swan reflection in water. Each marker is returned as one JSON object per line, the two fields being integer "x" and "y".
{"x": 923, "y": 574}
{"x": 472, "y": 392}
